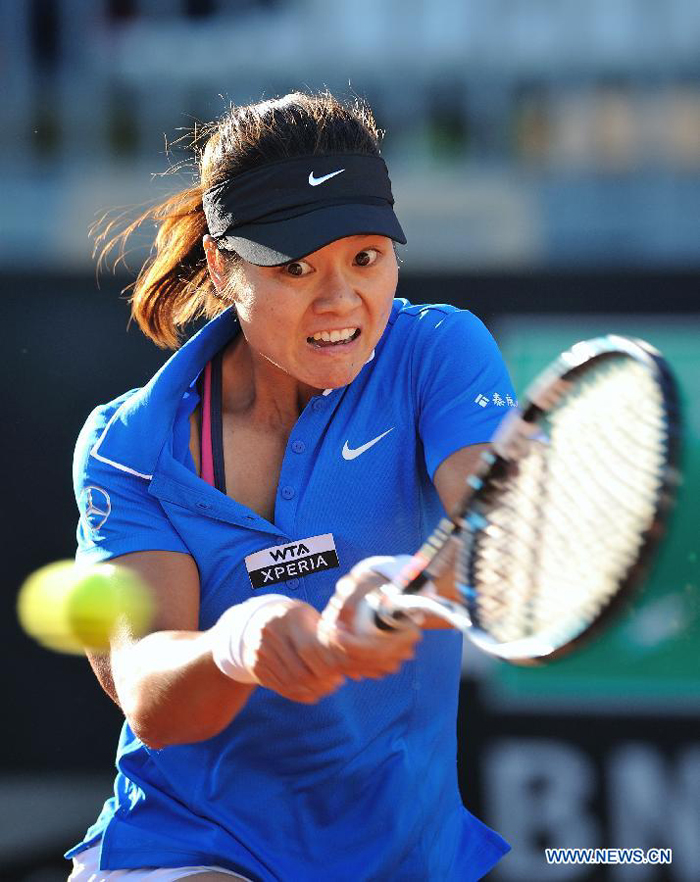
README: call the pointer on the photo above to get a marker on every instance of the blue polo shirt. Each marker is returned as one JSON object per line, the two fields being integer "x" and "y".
{"x": 363, "y": 784}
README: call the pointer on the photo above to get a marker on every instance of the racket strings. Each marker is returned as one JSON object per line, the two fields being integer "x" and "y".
{"x": 613, "y": 435}
{"x": 600, "y": 480}
{"x": 567, "y": 525}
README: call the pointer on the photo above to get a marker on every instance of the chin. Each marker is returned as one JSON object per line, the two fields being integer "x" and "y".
{"x": 337, "y": 381}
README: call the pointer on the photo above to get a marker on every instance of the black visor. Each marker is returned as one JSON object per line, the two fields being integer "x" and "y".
{"x": 288, "y": 209}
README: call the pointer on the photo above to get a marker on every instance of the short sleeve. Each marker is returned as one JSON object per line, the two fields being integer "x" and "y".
{"x": 462, "y": 385}
{"x": 117, "y": 513}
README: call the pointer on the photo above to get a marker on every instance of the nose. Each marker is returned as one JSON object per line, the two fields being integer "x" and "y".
{"x": 336, "y": 294}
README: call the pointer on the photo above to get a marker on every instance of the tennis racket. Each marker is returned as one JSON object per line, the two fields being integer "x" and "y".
{"x": 560, "y": 521}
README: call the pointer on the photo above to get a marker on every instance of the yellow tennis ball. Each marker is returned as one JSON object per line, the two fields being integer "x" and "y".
{"x": 69, "y": 607}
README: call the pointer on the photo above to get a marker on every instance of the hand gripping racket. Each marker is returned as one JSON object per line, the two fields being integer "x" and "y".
{"x": 561, "y": 519}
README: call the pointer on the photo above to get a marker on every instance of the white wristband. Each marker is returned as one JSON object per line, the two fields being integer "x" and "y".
{"x": 228, "y": 636}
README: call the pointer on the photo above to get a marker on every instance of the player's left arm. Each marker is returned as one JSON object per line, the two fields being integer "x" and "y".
{"x": 450, "y": 481}
{"x": 462, "y": 392}
{"x": 451, "y": 484}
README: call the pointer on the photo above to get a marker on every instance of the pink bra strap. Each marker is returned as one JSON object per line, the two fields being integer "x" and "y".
{"x": 206, "y": 448}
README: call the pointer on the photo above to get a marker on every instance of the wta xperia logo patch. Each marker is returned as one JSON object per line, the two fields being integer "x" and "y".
{"x": 282, "y": 562}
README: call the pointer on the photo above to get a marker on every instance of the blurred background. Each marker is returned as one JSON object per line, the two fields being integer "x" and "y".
{"x": 545, "y": 157}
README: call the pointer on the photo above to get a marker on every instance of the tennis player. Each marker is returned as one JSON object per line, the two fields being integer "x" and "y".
{"x": 270, "y": 473}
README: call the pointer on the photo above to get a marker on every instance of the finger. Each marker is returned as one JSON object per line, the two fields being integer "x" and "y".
{"x": 383, "y": 644}
{"x": 374, "y": 665}
{"x": 288, "y": 643}
{"x": 344, "y": 590}
{"x": 321, "y": 666}
{"x": 269, "y": 679}
{"x": 296, "y": 671}
{"x": 310, "y": 694}
{"x": 277, "y": 667}
{"x": 306, "y": 663}
{"x": 349, "y": 590}
{"x": 273, "y": 656}
{"x": 315, "y": 651}
{"x": 365, "y": 663}
{"x": 355, "y": 669}
{"x": 292, "y": 691}
{"x": 373, "y": 672}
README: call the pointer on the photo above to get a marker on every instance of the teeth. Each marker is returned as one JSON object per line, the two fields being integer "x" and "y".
{"x": 334, "y": 336}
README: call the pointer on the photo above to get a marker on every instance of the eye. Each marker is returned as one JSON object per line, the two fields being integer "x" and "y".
{"x": 366, "y": 257}
{"x": 297, "y": 268}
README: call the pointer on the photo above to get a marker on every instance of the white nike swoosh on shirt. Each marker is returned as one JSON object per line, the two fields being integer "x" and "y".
{"x": 349, "y": 453}
{"x": 316, "y": 181}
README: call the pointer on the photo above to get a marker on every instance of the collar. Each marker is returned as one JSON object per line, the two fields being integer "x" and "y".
{"x": 147, "y": 416}
{"x": 134, "y": 437}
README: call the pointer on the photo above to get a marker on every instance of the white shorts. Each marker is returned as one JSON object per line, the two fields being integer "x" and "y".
{"x": 86, "y": 869}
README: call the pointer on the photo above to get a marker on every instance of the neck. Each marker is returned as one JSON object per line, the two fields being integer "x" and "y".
{"x": 256, "y": 388}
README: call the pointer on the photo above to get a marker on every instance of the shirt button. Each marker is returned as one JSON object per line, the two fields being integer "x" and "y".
{"x": 292, "y": 583}
{"x": 318, "y": 404}
{"x": 298, "y": 446}
{"x": 287, "y": 492}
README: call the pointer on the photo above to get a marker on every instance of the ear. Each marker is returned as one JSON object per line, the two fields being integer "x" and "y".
{"x": 216, "y": 263}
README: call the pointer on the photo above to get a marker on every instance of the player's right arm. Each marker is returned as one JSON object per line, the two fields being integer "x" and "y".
{"x": 167, "y": 683}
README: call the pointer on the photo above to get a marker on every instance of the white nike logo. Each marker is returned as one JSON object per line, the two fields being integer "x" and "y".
{"x": 349, "y": 453}
{"x": 316, "y": 181}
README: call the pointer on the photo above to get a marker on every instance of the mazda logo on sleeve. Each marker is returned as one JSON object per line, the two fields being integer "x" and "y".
{"x": 95, "y": 506}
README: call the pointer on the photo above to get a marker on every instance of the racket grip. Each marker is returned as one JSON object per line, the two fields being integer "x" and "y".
{"x": 375, "y": 613}
{"x": 369, "y": 621}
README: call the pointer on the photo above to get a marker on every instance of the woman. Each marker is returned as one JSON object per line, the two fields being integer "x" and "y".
{"x": 313, "y": 423}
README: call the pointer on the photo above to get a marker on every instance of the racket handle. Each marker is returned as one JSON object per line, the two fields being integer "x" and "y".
{"x": 375, "y": 613}
{"x": 369, "y": 621}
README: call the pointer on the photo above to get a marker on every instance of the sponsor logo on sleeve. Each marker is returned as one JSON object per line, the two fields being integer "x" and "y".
{"x": 95, "y": 506}
{"x": 497, "y": 399}
{"x": 281, "y": 562}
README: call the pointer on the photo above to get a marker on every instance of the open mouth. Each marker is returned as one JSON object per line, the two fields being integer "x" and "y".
{"x": 322, "y": 343}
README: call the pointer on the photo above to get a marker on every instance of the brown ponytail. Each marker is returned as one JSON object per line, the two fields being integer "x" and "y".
{"x": 173, "y": 287}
